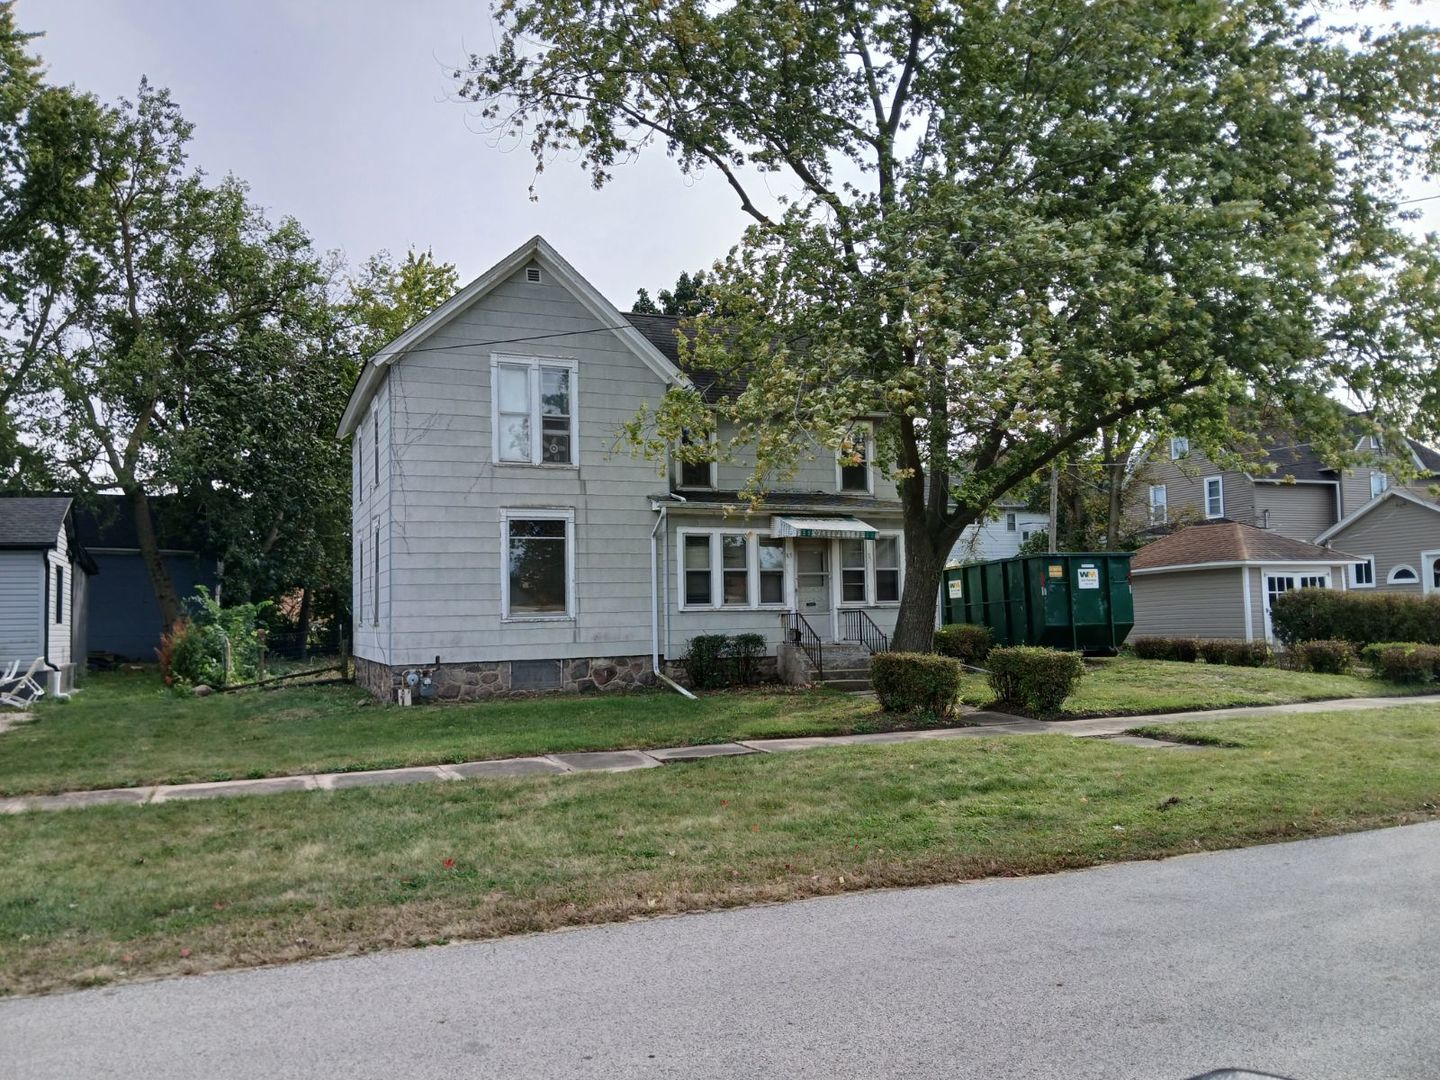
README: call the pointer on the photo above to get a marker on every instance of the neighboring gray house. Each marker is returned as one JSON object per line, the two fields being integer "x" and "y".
{"x": 1218, "y": 580}
{"x": 504, "y": 541}
{"x": 1397, "y": 537}
{"x": 43, "y": 596}
{"x": 125, "y": 622}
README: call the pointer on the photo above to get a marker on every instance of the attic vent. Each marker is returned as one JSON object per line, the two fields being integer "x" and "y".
{"x": 532, "y": 275}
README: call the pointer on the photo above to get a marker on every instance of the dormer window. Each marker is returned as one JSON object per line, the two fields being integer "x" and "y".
{"x": 853, "y": 462}
{"x": 1379, "y": 484}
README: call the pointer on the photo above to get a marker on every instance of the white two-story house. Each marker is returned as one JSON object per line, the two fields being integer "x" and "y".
{"x": 505, "y": 539}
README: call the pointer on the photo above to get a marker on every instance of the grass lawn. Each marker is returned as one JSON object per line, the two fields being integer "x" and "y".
{"x": 1125, "y": 686}
{"x": 125, "y": 730}
{"x": 112, "y": 893}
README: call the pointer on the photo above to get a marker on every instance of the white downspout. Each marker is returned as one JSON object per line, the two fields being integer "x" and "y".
{"x": 655, "y": 606}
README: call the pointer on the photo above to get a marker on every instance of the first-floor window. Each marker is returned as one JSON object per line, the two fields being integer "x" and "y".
{"x": 360, "y": 573}
{"x": 537, "y": 566}
{"x": 771, "y": 563}
{"x": 1315, "y": 581}
{"x": 852, "y": 571}
{"x": 1402, "y": 575}
{"x": 735, "y": 569}
{"x": 1362, "y": 575}
{"x": 887, "y": 570}
{"x": 59, "y": 594}
{"x": 697, "y": 570}
{"x": 375, "y": 581}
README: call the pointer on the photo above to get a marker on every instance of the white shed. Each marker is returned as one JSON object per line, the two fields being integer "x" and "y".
{"x": 43, "y": 573}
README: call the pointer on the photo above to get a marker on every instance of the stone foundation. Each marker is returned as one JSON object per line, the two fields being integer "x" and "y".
{"x": 505, "y": 678}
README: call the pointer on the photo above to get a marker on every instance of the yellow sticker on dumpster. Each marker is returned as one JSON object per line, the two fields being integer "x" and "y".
{"x": 1087, "y": 577}
{"x": 1056, "y": 570}
{"x": 957, "y": 589}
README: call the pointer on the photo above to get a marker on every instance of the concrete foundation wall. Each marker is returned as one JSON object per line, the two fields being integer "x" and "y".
{"x": 498, "y": 678}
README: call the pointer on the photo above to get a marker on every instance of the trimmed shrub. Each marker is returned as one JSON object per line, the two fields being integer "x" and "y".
{"x": 1037, "y": 679}
{"x": 966, "y": 642}
{"x": 916, "y": 683}
{"x": 1182, "y": 649}
{"x": 1213, "y": 650}
{"x": 745, "y": 651}
{"x": 1325, "y": 657}
{"x": 707, "y": 661}
{"x": 1359, "y": 618}
{"x": 1235, "y": 653}
{"x": 1404, "y": 661}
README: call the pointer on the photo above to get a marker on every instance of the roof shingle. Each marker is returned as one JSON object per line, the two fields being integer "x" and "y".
{"x": 1230, "y": 542}
{"x": 30, "y": 521}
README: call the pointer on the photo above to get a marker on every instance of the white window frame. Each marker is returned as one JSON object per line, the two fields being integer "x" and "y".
{"x": 1162, "y": 505}
{"x": 714, "y": 471}
{"x": 360, "y": 585}
{"x": 867, "y": 430}
{"x": 360, "y": 462}
{"x": 1219, "y": 482}
{"x": 1012, "y": 521}
{"x": 837, "y": 585}
{"x": 1383, "y": 486}
{"x": 1413, "y": 579}
{"x": 1354, "y": 579}
{"x": 874, "y": 592}
{"x": 375, "y": 440}
{"x": 867, "y": 574}
{"x": 717, "y": 571}
{"x": 537, "y": 513}
{"x": 534, "y": 364}
{"x": 1428, "y": 562}
{"x": 375, "y": 575}
{"x": 1179, "y": 447}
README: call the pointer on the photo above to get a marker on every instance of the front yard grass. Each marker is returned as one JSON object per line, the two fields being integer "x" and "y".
{"x": 113, "y": 893}
{"x": 126, "y": 730}
{"x": 1126, "y": 686}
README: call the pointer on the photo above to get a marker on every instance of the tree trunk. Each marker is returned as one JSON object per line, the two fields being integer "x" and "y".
{"x": 165, "y": 596}
{"x": 304, "y": 623}
{"x": 1116, "y": 506}
{"x": 924, "y": 563}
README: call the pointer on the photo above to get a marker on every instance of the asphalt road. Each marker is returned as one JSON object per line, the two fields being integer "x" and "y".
{"x": 1315, "y": 960}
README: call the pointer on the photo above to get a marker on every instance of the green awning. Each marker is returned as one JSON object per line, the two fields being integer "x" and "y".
{"x": 822, "y": 528}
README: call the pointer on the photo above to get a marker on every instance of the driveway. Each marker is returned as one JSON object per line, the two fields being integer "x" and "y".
{"x": 1316, "y": 960}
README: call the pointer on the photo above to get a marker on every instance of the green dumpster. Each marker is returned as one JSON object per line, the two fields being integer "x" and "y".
{"x": 1068, "y": 600}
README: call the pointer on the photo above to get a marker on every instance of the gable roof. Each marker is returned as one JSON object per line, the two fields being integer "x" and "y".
{"x": 536, "y": 250}
{"x": 1228, "y": 543}
{"x": 1298, "y": 460}
{"x": 660, "y": 331}
{"x": 32, "y": 521}
{"x": 1378, "y": 500}
{"x": 1427, "y": 458}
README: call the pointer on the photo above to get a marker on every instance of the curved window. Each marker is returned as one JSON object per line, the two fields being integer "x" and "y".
{"x": 1402, "y": 575}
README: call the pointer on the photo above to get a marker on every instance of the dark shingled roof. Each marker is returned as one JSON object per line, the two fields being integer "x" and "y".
{"x": 1230, "y": 542}
{"x": 105, "y": 521}
{"x": 32, "y": 521}
{"x": 659, "y": 330}
{"x": 1429, "y": 459}
{"x": 1298, "y": 461}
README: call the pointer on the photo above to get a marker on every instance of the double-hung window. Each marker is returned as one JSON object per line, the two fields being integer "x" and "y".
{"x": 1179, "y": 448}
{"x": 1362, "y": 575}
{"x": 1214, "y": 497}
{"x": 538, "y": 576}
{"x": 887, "y": 570}
{"x": 534, "y": 414}
{"x": 1159, "y": 504}
{"x": 722, "y": 568}
{"x": 1379, "y": 484}
{"x": 853, "y": 461}
{"x": 694, "y": 474}
{"x": 852, "y": 572}
{"x": 1012, "y": 521}
{"x": 375, "y": 580}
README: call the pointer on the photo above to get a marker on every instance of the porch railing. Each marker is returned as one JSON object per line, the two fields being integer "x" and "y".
{"x": 856, "y": 625}
{"x": 799, "y": 632}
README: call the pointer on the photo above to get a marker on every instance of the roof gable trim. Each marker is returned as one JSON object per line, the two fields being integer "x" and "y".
{"x": 1378, "y": 500}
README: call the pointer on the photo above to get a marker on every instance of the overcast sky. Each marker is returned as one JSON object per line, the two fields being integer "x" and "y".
{"x": 341, "y": 113}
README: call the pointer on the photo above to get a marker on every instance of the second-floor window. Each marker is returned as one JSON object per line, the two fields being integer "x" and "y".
{"x": 534, "y": 411}
{"x": 1159, "y": 506}
{"x": 1379, "y": 483}
{"x": 1179, "y": 448}
{"x": 1012, "y": 521}
{"x": 1214, "y": 497}
{"x": 694, "y": 474}
{"x": 853, "y": 461}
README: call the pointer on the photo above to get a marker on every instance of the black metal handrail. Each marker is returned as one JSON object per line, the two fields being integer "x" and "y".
{"x": 858, "y": 626}
{"x": 799, "y": 632}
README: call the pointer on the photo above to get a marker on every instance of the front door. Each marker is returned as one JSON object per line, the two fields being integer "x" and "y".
{"x": 812, "y": 584}
{"x": 1275, "y": 585}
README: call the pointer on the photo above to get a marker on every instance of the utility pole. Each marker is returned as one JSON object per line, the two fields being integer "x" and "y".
{"x": 1054, "y": 505}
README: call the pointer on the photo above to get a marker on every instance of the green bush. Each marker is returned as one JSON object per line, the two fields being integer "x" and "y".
{"x": 966, "y": 642}
{"x": 1404, "y": 661}
{"x": 1235, "y": 653}
{"x": 1037, "y": 679}
{"x": 1213, "y": 650}
{"x": 1325, "y": 657}
{"x": 916, "y": 683}
{"x": 1182, "y": 649}
{"x": 707, "y": 661}
{"x": 1360, "y": 618}
{"x": 744, "y": 652}
{"x": 212, "y": 645}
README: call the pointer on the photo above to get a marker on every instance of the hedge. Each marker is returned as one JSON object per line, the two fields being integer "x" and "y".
{"x": 916, "y": 683}
{"x": 716, "y": 660}
{"x": 1235, "y": 653}
{"x": 1324, "y": 657}
{"x": 966, "y": 642}
{"x": 1185, "y": 650}
{"x": 1404, "y": 661}
{"x": 1359, "y": 618}
{"x": 1039, "y": 680}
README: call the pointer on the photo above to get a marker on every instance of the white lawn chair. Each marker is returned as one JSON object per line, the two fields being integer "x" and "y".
{"x": 20, "y": 691}
{"x": 9, "y": 675}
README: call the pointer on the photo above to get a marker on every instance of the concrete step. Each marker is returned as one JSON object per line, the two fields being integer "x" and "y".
{"x": 848, "y": 685}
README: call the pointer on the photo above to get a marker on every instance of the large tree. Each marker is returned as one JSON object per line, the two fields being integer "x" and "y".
{"x": 1011, "y": 224}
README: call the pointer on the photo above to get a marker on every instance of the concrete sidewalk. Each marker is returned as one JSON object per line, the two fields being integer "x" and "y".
{"x": 982, "y": 725}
